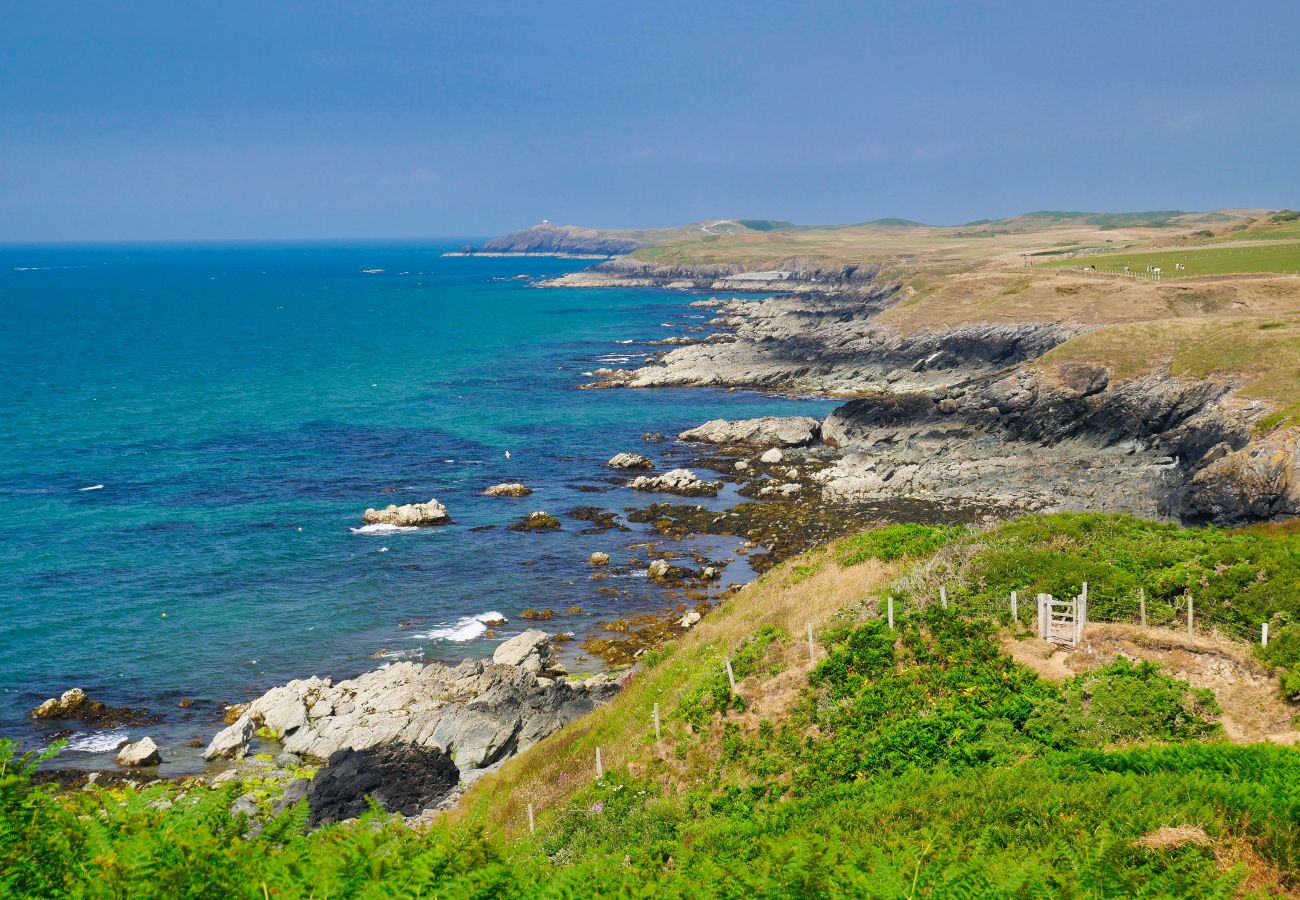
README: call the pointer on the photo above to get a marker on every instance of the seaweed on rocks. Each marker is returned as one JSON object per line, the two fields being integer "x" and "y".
{"x": 602, "y": 520}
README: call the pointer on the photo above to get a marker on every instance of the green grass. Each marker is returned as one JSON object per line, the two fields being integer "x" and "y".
{"x": 1278, "y": 258}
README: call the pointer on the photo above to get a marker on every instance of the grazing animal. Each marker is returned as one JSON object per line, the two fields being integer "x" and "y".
{"x": 1128, "y": 271}
{"x": 1178, "y": 267}
{"x": 1089, "y": 268}
{"x": 1156, "y": 270}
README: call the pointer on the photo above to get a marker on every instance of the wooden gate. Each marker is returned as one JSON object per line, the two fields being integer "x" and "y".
{"x": 1063, "y": 621}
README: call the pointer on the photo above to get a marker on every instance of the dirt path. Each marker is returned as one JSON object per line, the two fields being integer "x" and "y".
{"x": 1253, "y": 709}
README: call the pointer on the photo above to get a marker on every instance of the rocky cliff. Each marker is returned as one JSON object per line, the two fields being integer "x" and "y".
{"x": 974, "y": 413}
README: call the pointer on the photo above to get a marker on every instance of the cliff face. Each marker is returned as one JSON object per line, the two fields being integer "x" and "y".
{"x": 972, "y": 414}
{"x": 567, "y": 239}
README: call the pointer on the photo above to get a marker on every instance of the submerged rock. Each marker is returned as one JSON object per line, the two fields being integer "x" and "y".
{"x": 766, "y": 431}
{"x": 411, "y": 514}
{"x": 598, "y": 558}
{"x": 509, "y": 489}
{"x": 143, "y": 752}
{"x": 400, "y": 777}
{"x": 630, "y": 461}
{"x": 677, "y": 481}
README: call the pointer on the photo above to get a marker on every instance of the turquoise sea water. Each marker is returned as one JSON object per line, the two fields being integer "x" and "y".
{"x": 241, "y": 405}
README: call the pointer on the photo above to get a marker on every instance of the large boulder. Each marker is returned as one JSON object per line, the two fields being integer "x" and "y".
{"x": 677, "y": 481}
{"x": 143, "y": 752}
{"x": 522, "y": 648}
{"x": 401, "y": 778}
{"x": 766, "y": 431}
{"x": 409, "y": 515}
{"x": 231, "y": 742}
{"x": 630, "y": 461}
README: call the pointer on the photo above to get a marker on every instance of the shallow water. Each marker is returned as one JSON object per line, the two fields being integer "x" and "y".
{"x": 236, "y": 407}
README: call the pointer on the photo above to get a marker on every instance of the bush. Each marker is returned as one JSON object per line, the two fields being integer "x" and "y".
{"x": 896, "y": 542}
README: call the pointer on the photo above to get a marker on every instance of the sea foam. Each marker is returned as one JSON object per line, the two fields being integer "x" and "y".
{"x": 463, "y": 629}
{"x": 383, "y": 528}
{"x": 98, "y": 741}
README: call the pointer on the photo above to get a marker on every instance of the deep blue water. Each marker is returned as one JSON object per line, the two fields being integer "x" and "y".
{"x": 241, "y": 405}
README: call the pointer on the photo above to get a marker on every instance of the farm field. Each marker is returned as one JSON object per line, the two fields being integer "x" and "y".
{"x": 1277, "y": 258}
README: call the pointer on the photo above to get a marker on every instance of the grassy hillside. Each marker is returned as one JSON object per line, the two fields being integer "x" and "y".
{"x": 1236, "y": 258}
{"x": 916, "y": 761}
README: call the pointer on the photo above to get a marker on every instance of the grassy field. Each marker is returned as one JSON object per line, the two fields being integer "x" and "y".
{"x": 1227, "y": 260}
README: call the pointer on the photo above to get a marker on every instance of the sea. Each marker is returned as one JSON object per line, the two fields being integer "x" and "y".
{"x": 190, "y": 434}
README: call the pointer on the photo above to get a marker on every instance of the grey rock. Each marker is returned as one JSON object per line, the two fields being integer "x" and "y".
{"x": 143, "y": 752}
{"x": 677, "y": 481}
{"x": 767, "y": 431}
{"x": 630, "y": 461}
{"x": 294, "y": 792}
{"x": 232, "y": 742}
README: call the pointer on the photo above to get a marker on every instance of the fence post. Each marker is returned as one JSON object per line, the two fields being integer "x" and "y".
{"x": 1015, "y": 613}
{"x": 1042, "y": 627}
{"x": 812, "y": 652}
{"x": 531, "y": 827}
{"x": 1189, "y": 614}
{"x": 943, "y": 597}
{"x": 890, "y": 604}
{"x": 600, "y": 767}
{"x": 657, "y": 734}
{"x": 731, "y": 676}
{"x": 1263, "y": 635}
{"x": 1081, "y": 614}
{"x": 1142, "y": 605}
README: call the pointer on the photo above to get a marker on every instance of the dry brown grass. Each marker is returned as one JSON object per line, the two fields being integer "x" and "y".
{"x": 1171, "y": 837}
{"x": 549, "y": 773}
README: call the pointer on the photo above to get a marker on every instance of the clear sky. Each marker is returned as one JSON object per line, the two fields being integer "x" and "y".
{"x": 183, "y": 120}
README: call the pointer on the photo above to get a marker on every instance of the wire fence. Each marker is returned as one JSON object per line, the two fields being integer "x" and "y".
{"x": 1182, "y": 613}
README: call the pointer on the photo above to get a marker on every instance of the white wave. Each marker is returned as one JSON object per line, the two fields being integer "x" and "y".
{"x": 383, "y": 528}
{"x": 625, "y": 342}
{"x": 614, "y": 359}
{"x": 464, "y": 629}
{"x": 93, "y": 487}
{"x": 98, "y": 741}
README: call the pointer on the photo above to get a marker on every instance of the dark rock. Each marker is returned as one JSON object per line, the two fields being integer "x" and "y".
{"x": 401, "y": 778}
{"x": 294, "y": 792}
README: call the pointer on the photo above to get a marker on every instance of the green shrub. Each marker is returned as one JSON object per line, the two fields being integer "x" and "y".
{"x": 1123, "y": 702}
{"x": 896, "y": 542}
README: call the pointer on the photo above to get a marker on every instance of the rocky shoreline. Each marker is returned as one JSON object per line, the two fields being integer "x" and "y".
{"x": 972, "y": 414}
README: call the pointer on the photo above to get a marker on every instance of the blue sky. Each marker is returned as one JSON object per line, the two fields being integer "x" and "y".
{"x": 167, "y": 120}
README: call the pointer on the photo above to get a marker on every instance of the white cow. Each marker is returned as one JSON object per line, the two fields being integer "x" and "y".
{"x": 1178, "y": 267}
{"x": 1156, "y": 270}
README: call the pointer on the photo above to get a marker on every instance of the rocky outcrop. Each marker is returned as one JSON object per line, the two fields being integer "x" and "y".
{"x": 1059, "y": 438}
{"x": 409, "y": 515}
{"x": 546, "y": 238}
{"x": 536, "y": 521}
{"x": 401, "y": 778}
{"x": 767, "y": 431}
{"x": 677, "y": 481}
{"x": 73, "y": 704}
{"x": 477, "y": 712}
{"x": 598, "y": 558}
{"x": 143, "y": 752}
{"x": 630, "y": 461}
{"x": 508, "y": 489}
{"x": 836, "y": 344}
